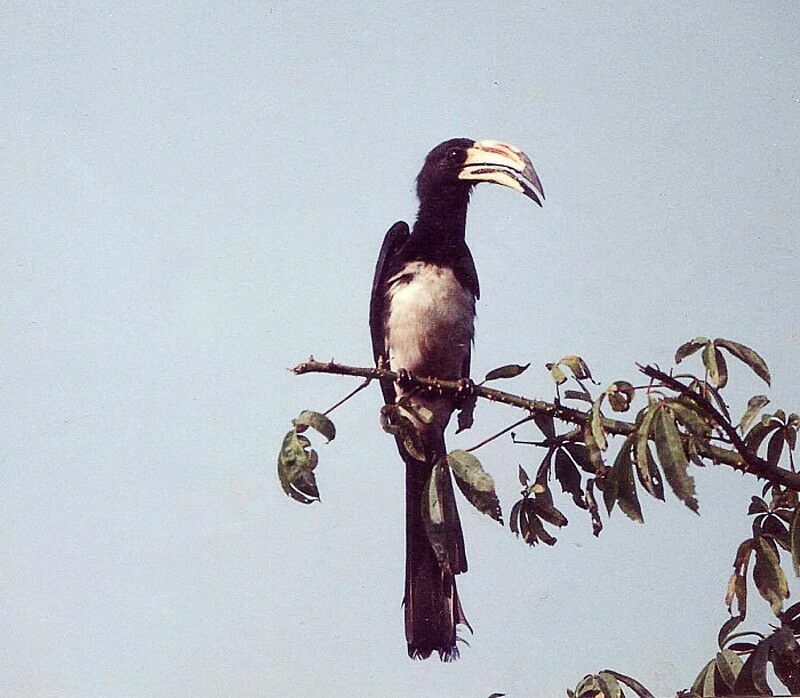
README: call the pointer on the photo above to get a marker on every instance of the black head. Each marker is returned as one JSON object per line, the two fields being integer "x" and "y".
{"x": 439, "y": 174}
{"x": 452, "y": 168}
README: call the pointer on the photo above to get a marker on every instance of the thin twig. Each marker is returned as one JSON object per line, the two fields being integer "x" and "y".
{"x": 500, "y": 433}
{"x": 361, "y": 387}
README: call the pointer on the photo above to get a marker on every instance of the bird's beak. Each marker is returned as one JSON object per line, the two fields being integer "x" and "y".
{"x": 501, "y": 163}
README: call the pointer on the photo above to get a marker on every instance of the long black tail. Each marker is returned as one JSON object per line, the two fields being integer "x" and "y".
{"x": 432, "y": 607}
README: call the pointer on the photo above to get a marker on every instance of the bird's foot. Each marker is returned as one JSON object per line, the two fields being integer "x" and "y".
{"x": 405, "y": 379}
{"x": 466, "y": 391}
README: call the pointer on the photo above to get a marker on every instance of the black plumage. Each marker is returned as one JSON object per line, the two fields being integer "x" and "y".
{"x": 422, "y": 310}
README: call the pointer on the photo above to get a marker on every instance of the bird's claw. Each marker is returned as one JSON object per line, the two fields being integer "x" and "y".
{"x": 405, "y": 379}
{"x": 466, "y": 391}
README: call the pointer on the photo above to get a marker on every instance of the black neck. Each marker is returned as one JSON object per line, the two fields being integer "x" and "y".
{"x": 440, "y": 226}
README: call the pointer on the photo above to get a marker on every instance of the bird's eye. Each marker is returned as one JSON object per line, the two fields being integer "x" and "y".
{"x": 454, "y": 154}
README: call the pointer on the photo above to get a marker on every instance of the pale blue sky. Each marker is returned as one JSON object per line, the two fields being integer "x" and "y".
{"x": 193, "y": 197}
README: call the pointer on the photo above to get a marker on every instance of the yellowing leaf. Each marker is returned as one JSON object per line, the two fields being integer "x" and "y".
{"x": 577, "y": 365}
{"x": 754, "y": 405}
{"x": 557, "y": 374}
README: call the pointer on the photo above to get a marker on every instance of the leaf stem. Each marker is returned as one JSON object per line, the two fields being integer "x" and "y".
{"x": 499, "y": 433}
{"x": 361, "y": 387}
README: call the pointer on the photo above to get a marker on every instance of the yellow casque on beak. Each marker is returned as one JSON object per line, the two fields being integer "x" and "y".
{"x": 501, "y": 163}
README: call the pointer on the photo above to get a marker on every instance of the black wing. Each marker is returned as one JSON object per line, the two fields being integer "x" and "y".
{"x": 395, "y": 238}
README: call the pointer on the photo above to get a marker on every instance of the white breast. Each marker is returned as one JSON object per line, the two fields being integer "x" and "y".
{"x": 429, "y": 324}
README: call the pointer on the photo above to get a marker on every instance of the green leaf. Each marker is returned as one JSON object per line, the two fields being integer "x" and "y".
{"x": 775, "y": 447}
{"x": 737, "y": 584}
{"x": 688, "y": 415}
{"x": 673, "y": 458}
{"x": 296, "y": 461}
{"x": 539, "y": 531}
{"x": 785, "y": 655}
{"x": 727, "y": 628}
{"x": 577, "y": 365}
{"x": 475, "y": 483}
{"x": 441, "y": 519}
{"x": 610, "y": 488}
{"x": 595, "y": 454}
{"x": 757, "y": 506}
{"x": 743, "y": 553}
{"x": 568, "y": 476}
{"x": 768, "y": 575}
{"x": 609, "y": 685}
{"x": 748, "y": 356}
{"x": 507, "y": 371}
{"x": 631, "y": 683}
{"x": 315, "y": 420}
{"x": 394, "y": 420}
{"x": 620, "y": 395}
{"x": 791, "y": 436}
{"x": 774, "y": 527}
{"x": 656, "y": 488}
{"x": 794, "y": 540}
{"x": 754, "y": 405}
{"x": 690, "y": 348}
{"x": 588, "y": 687}
{"x": 580, "y": 455}
{"x": 700, "y": 681}
{"x": 716, "y": 365}
{"x": 546, "y": 424}
{"x": 752, "y": 679}
{"x": 722, "y": 369}
{"x": 627, "y": 498}
{"x": 598, "y": 432}
{"x": 642, "y": 435}
{"x": 728, "y": 665}
{"x": 708, "y": 683}
{"x": 531, "y": 527}
{"x": 545, "y": 510}
{"x": 759, "y": 432}
{"x": 577, "y": 395}
{"x": 523, "y": 476}
{"x": 513, "y": 522}
{"x": 422, "y": 413}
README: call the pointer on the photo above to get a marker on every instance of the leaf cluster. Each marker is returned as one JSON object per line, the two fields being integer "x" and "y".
{"x": 297, "y": 460}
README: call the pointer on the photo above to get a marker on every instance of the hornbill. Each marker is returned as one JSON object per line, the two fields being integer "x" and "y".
{"x": 422, "y": 312}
